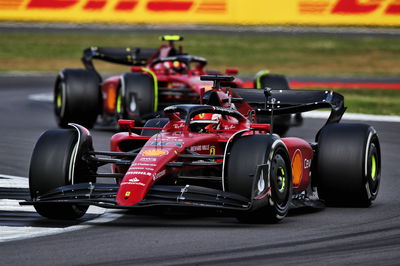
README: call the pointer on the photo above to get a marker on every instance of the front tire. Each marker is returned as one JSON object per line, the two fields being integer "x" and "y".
{"x": 52, "y": 166}
{"x": 270, "y": 189}
{"x": 348, "y": 164}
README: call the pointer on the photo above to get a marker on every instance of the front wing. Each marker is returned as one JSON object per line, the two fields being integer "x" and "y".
{"x": 103, "y": 195}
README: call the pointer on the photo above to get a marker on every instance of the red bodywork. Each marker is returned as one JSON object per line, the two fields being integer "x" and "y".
{"x": 149, "y": 166}
{"x": 169, "y": 80}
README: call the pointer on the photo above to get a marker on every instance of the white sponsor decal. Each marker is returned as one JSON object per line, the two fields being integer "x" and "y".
{"x": 159, "y": 174}
{"x": 176, "y": 126}
{"x": 307, "y": 163}
{"x": 144, "y": 164}
{"x": 229, "y": 127}
{"x": 141, "y": 168}
{"x": 148, "y": 159}
{"x": 200, "y": 148}
{"x": 133, "y": 181}
{"x": 166, "y": 143}
{"x": 141, "y": 173}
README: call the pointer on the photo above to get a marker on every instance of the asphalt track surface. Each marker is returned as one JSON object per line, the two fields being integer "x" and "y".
{"x": 333, "y": 236}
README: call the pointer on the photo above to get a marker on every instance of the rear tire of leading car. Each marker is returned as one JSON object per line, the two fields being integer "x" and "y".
{"x": 275, "y": 82}
{"x": 348, "y": 164}
{"x": 136, "y": 96}
{"x": 52, "y": 165}
{"x": 270, "y": 203}
{"x": 77, "y": 97}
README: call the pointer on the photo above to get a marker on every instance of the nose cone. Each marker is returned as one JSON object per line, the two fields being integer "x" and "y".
{"x": 147, "y": 168}
{"x": 133, "y": 190}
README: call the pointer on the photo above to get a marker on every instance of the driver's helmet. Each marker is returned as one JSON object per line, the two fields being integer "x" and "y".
{"x": 176, "y": 66}
{"x": 205, "y": 122}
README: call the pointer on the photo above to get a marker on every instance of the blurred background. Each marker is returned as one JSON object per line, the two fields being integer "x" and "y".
{"x": 352, "y": 46}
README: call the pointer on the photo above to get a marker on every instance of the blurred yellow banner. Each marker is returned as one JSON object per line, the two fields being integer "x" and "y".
{"x": 250, "y": 12}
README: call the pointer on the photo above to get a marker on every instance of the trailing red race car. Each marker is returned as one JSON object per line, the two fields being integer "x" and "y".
{"x": 210, "y": 158}
{"x": 158, "y": 78}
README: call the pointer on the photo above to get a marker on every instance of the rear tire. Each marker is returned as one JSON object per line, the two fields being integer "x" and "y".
{"x": 275, "y": 82}
{"x": 136, "y": 97}
{"x": 51, "y": 167}
{"x": 348, "y": 164}
{"x": 77, "y": 97}
{"x": 241, "y": 177}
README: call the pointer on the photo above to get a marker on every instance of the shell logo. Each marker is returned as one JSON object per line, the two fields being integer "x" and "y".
{"x": 297, "y": 168}
{"x": 154, "y": 152}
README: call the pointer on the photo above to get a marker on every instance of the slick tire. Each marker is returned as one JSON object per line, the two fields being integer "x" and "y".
{"x": 155, "y": 122}
{"x": 244, "y": 177}
{"x": 136, "y": 96}
{"x": 77, "y": 97}
{"x": 275, "y": 82}
{"x": 348, "y": 164}
{"x": 51, "y": 167}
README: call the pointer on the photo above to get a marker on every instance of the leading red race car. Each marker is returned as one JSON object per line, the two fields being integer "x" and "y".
{"x": 213, "y": 159}
{"x": 158, "y": 78}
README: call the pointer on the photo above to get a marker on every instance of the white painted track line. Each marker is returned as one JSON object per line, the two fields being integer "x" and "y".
{"x": 351, "y": 116}
{"x": 9, "y": 233}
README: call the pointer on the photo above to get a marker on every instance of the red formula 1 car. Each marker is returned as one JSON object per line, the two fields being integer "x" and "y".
{"x": 210, "y": 158}
{"x": 158, "y": 78}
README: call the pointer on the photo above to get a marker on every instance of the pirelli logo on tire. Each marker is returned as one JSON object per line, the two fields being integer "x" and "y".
{"x": 311, "y": 12}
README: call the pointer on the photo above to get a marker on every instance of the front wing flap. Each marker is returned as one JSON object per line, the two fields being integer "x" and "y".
{"x": 103, "y": 195}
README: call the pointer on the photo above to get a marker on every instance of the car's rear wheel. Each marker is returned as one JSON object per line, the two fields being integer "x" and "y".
{"x": 275, "y": 82}
{"x": 258, "y": 168}
{"x": 348, "y": 164}
{"x": 77, "y": 97}
{"x": 54, "y": 163}
{"x": 136, "y": 96}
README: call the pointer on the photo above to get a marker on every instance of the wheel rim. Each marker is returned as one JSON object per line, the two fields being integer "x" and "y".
{"x": 279, "y": 181}
{"x": 373, "y": 167}
{"x": 59, "y": 99}
{"x": 119, "y": 103}
{"x": 373, "y": 173}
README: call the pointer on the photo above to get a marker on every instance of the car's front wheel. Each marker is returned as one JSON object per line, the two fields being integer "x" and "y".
{"x": 54, "y": 164}
{"x": 258, "y": 168}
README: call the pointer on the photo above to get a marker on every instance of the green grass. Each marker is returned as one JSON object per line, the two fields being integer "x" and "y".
{"x": 289, "y": 55}
{"x": 381, "y": 102}
{"x": 292, "y": 55}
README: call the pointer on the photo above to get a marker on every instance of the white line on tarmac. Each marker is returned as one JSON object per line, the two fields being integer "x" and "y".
{"x": 351, "y": 116}
{"x": 9, "y": 233}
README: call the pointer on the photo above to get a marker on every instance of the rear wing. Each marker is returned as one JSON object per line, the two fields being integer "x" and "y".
{"x": 294, "y": 101}
{"x": 124, "y": 56}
